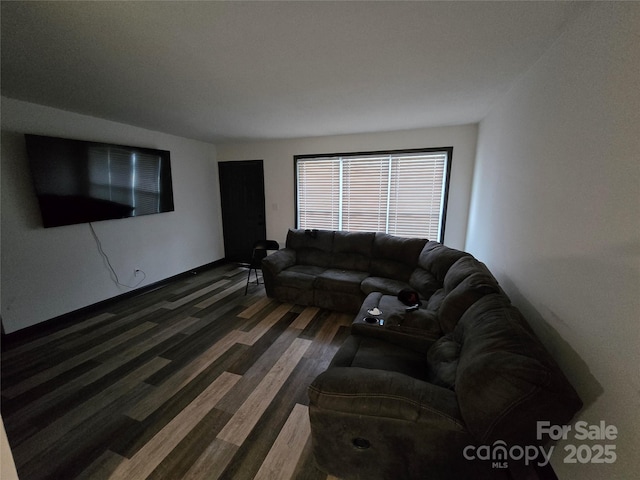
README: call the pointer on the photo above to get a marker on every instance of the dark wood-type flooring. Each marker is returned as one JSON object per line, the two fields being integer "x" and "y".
{"x": 193, "y": 380}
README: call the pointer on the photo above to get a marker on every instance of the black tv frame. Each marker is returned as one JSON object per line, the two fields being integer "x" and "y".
{"x": 61, "y": 167}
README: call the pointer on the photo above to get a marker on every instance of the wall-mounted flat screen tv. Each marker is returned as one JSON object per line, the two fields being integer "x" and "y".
{"x": 78, "y": 181}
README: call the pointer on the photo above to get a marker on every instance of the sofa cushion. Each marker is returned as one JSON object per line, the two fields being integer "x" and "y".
{"x": 437, "y": 258}
{"x": 300, "y": 238}
{"x": 395, "y": 257}
{"x": 312, "y": 270}
{"x": 352, "y": 250}
{"x": 345, "y": 281}
{"x": 274, "y": 264}
{"x": 424, "y": 282}
{"x": 465, "y": 294}
{"x": 384, "y": 285}
{"x": 293, "y": 294}
{"x": 299, "y": 276}
{"x": 313, "y": 247}
{"x": 442, "y": 360}
{"x": 463, "y": 268}
{"x": 366, "y": 352}
{"x": 436, "y": 300}
{"x": 506, "y": 381}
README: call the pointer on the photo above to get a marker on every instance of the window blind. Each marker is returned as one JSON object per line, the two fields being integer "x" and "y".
{"x": 401, "y": 193}
{"x": 318, "y": 189}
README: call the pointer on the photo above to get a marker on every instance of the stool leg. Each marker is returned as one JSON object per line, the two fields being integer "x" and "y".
{"x": 246, "y": 288}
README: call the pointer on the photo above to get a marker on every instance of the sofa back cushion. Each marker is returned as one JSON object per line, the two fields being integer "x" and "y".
{"x": 464, "y": 267}
{"x": 424, "y": 282}
{"x": 352, "y": 250}
{"x": 506, "y": 381}
{"x": 442, "y": 361}
{"x": 437, "y": 258}
{"x": 395, "y": 257}
{"x": 456, "y": 302}
{"x": 466, "y": 282}
{"x": 313, "y": 247}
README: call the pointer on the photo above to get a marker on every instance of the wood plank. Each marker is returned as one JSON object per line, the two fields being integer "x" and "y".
{"x": 256, "y": 446}
{"x": 261, "y": 328}
{"x": 55, "y": 430}
{"x": 255, "y": 364}
{"x": 207, "y": 331}
{"x": 249, "y": 323}
{"x": 69, "y": 455}
{"x": 248, "y": 414}
{"x": 255, "y": 307}
{"x": 212, "y": 462}
{"x": 324, "y": 335}
{"x": 102, "y": 467}
{"x": 219, "y": 296}
{"x": 19, "y": 351}
{"x": 197, "y": 294}
{"x": 150, "y": 403}
{"x": 67, "y": 428}
{"x": 286, "y": 451}
{"x": 311, "y": 330}
{"x": 191, "y": 448}
{"x": 72, "y": 362}
{"x": 305, "y": 317}
{"x": 77, "y": 388}
{"x": 131, "y": 442}
{"x": 104, "y": 333}
{"x": 195, "y": 280}
{"x": 138, "y": 344}
{"x": 148, "y": 458}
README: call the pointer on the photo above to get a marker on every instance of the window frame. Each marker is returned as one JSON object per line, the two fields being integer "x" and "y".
{"x": 428, "y": 150}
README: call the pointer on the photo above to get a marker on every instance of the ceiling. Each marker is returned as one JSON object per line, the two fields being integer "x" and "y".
{"x": 238, "y": 71}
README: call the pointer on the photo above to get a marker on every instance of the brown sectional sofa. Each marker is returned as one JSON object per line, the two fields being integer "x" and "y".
{"x": 415, "y": 397}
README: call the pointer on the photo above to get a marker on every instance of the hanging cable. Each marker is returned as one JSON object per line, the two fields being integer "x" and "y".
{"x": 105, "y": 258}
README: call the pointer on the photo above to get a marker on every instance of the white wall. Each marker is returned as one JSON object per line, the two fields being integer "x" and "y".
{"x": 49, "y": 272}
{"x": 279, "y": 169}
{"x": 555, "y": 214}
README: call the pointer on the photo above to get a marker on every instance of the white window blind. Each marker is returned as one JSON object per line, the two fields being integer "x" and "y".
{"x": 401, "y": 193}
{"x": 319, "y": 192}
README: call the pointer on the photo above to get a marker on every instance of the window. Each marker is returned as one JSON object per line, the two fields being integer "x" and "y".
{"x": 400, "y": 192}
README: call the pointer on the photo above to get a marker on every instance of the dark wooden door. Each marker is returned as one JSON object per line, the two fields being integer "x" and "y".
{"x": 243, "y": 212}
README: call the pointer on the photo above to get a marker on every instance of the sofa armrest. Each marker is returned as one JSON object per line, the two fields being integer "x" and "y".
{"x": 279, "y": 260}
{"x": 416, "y": 330}
{"x": 381, "y": 393}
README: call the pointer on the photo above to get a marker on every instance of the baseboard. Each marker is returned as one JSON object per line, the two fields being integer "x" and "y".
{"x": 63, "y": 321}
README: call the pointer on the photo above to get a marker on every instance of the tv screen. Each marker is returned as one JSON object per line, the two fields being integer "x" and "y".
{"x": 79, "y": 182}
